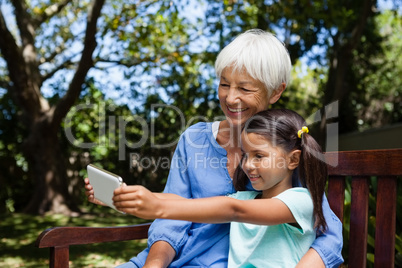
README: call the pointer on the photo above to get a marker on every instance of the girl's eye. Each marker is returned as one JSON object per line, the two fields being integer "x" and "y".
{"x": 243, "y": 156}
{"x": 259, "y": 156}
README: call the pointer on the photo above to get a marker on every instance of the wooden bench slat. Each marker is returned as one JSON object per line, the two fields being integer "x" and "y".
{"x": 359, "y": 222}
{"x": 365, "y": 163}
{"x": 336, "y": 195}
{"x": 385, "y": 222}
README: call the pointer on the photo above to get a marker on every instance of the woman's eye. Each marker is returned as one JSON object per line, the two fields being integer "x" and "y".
{"x": 259, "y": 156}
{"x": 244, "y": 89}
{"x": 224, "y": 85}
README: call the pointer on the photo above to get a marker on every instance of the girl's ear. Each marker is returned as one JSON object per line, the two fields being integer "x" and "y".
{"x": 277, "y": 93}
{"x": 294, "y": 159}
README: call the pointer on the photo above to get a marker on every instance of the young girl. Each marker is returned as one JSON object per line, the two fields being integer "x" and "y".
{"x": 271, "y": 227}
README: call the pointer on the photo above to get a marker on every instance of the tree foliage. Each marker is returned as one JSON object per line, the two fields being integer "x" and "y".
{"x": 47, "y": 65}
{"x": 378, "y": 94}
{"x": 26, "y": 73}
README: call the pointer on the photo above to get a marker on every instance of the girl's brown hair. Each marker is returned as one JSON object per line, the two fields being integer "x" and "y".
{"x": 280, "y": 127}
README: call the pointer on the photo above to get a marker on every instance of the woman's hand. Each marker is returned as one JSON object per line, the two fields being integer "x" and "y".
{"x": 89, "y": 192}
{"x": 138, "y": 201}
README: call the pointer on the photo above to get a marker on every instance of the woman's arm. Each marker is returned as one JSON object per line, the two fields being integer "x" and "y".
{"x": 160, "y": 255}
{"x": 166, "y": 238}
{"x": 140, "y": 202}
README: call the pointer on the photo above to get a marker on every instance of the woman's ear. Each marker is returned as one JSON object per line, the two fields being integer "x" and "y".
{"x": 294, "y": 159}
{"x": 277, "y": 93}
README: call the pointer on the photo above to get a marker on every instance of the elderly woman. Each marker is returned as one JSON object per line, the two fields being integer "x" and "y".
{"x": 254, "y": 70}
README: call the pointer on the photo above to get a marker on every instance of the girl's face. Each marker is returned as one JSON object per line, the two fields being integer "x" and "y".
{"x": 269, "y": 168}
{"x": 241, "y": 96}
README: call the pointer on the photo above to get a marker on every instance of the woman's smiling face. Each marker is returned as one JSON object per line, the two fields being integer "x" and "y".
{"x": 241, "y": 96}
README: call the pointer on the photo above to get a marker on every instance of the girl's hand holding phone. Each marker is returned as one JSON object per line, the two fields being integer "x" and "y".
{"x": 138, "y": 201}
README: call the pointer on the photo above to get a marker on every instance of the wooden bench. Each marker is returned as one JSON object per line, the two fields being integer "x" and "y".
{"x": 360, "y": 165}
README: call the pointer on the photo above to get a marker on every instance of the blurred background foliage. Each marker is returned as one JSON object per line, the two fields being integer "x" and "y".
{"x": 115, "y": 83}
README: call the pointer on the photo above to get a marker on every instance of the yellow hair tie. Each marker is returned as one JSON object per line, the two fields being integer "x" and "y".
{"x": 301, "y": 131}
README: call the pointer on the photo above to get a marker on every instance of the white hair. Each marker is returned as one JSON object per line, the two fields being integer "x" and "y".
{"x": 261, "y": 55}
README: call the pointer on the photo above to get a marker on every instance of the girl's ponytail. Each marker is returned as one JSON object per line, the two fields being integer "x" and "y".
{"x": 313, "y": 175}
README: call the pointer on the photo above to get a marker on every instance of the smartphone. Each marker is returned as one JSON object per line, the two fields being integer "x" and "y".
{"x": 104, "y": 183}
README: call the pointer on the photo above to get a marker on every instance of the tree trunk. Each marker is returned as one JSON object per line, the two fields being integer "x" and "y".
{"x": 47, "y": 164}
{"x": 337, "y": 89}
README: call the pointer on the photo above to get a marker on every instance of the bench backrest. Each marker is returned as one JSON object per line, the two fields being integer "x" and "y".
{"x": 386, "y": 165}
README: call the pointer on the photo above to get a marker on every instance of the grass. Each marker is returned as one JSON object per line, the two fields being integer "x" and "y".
{"x": 18, "y": 233}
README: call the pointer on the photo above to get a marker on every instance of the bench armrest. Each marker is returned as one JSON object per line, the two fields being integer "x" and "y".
{"x": 66, "y": 236}
{"x": 58, "y": 239}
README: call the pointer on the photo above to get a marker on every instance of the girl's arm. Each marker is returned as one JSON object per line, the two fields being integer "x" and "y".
{"x": 311, "y": 259}
{"x": 140, "y": 202}
{"x": 168, "y": 196}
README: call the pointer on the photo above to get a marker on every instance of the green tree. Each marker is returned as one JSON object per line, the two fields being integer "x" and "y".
{"x": 13, "y": 179}
{"x": 378, "y": 96}
{"x": 41, "y": 118}
{"x": 54, "y": 49}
